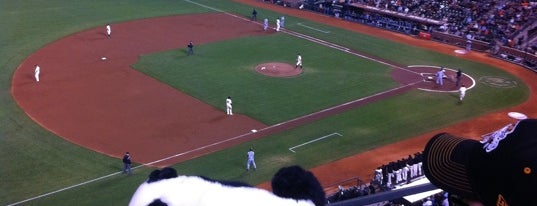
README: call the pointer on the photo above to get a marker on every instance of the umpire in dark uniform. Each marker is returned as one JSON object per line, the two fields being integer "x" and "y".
{"x": 254, "y": 15}
{"x": 127, "y": 164}
{"x": 190, "y": 49}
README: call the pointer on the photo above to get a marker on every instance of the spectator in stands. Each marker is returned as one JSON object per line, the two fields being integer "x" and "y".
{"x": 371, "y": 189}
{"x": 503, "y": 175}
{"x": 428, "y": 202}
{"x": 445, "y": 199}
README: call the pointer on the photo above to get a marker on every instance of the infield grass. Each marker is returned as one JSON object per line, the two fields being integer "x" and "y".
{"x": 34, "y": 161}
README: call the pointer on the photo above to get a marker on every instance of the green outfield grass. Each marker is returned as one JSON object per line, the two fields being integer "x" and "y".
{"x": 34, "y": 161}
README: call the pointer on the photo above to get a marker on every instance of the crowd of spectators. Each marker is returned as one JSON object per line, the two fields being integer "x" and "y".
{"x": 484, "y": 25}
{"x": 351, "y": 192}
{"x": 496, "y": 22}
{"x": 439, "y": 199}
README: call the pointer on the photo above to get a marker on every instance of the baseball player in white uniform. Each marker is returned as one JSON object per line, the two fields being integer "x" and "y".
{"x": 265, "y": 24}
{"x": 277, "y": 24}
{"x": 462, "y": 92}
{"x": 440, "y": 77}
{"x": 108, "y": 30}
{"x": 36, "y": 72}
{"x": 229, "y": 106}
{"x": 251, "y": 160}
{"x": 298, "y": 61}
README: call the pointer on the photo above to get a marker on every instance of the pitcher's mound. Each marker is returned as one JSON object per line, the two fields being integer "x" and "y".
{"x": 277, "y": 69}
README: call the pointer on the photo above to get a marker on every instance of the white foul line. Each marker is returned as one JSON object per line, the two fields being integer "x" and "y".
{"x": 344, "y": 49}
{"x": 313, "y": 28}
{"x": 66, "y": 188}
{"x": 315, "y": 140}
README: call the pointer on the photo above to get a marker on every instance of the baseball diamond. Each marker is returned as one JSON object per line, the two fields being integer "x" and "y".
{"x": 90, "y": 95}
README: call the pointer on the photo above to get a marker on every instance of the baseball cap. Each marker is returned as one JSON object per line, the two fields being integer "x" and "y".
{"x": 506, "y": 175}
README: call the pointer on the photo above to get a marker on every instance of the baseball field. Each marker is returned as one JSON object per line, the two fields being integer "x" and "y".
{"x": 360, "y": 101}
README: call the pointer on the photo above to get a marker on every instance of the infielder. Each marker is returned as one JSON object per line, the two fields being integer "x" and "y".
{"x": 36, "y": 72}
{"x": 229, "y": 106}
{"x": 265, "y": 24}
{"x": 108, "y": 30}
{"x": 277, "y": 24}
{"x": 298, "y": 61}
{"x": 462, "y": 92}
{"x": 250, "y": 155}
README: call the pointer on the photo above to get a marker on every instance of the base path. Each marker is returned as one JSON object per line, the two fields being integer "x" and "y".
{"x": 363, "y": 165}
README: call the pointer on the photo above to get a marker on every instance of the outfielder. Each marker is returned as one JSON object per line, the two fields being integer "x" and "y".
{"x": 298, "y": 61}
{"x": 251, "y": 160}
{"x": 36, "y": 72}
{"x": 229, "y": 106}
